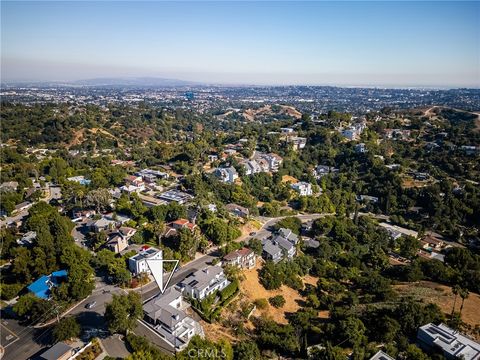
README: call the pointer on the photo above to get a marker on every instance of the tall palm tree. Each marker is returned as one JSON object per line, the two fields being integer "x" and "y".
{"x": 464, "y": 293}
{"x": 455, "y": 290}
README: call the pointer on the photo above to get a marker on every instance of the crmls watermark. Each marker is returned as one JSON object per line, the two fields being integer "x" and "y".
{"x": 207, "y": 354}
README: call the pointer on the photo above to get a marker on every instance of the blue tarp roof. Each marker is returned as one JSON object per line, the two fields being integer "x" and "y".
{"x": 41, "y": 287}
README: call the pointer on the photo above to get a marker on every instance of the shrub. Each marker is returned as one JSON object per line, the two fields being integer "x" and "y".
{"x": 9, "y": 291}
{"x": 261, "y": 303}
{"x": 277, "y": 301}
{"x": 229, "y": 291}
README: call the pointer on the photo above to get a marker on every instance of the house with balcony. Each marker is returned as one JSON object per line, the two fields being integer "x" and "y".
{"x": 450, "y": 342}
{"x": 204, "y": 282}
{"x": 226, "y": 175}
{"x": 237, "y": 210}
{"x": 165, "y": 313}
{"x": 138, "y": 263}
{"x": 302, "y": 188}
{"x": 243, "y": 258}
{"x": 42, "y": 287}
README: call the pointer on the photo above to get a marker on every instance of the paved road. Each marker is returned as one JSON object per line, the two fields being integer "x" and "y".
{"x": 31, "y": 340}
{"x": 19, "y": 216}
{"x": 268, "y": 223}
{"x": 54, "y": 192}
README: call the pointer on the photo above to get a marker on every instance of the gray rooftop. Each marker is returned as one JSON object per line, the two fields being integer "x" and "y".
{"x": 202, "y": 278}
{"x": 160, "y": 308}
{"x": 56, "y": 351}
{"x": 271, "y": 249}
{"x": 381, "y": 356}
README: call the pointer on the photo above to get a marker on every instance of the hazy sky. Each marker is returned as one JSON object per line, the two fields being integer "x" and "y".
{"x": 343, "y": 43}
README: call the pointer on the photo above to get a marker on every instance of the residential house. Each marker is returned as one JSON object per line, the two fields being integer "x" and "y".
{"x": 226, "y": 175}
{"x": 117, "y": 242}
{"x": 350, "y": 133}
{"x": 360, "y": 148}
{"x": 59, "y": 351}
{"x": 303, "y": 188}
{"x": 178, "y": 196}
{"x": 470, "y": 150}
{"x": 380, "y": 355}
{"x": 182, "y": 224}
{"x": 367, "y": 199}
{"x": 127, "y": 232}
{"x": 289, "y": 235}
{"x": 401, "y": 230}
{"x": 297, "y": 142}
{"x": 166, "y": 314}
{"x": 9, "y": 186}
{"x": 80, "y": 180}
{"x": 237, "y": 210}
{"x": 274, "y": 161}
{"x": 281, "y": 245}
{"x": 251, "y": 167}
{"x": 102, "y": 224}
{"x": 453, "y": 344}
{"x": 212, "y": 207}
{"x": 80, "y": 215}
{"x": 41, "y": 287}
{"x": 133, "y": 184}
{"x": 27, "y": 238}
{"x": 322, "y": 170}
{"x": 432, "y": 242}
{"x": 212, "y": 158}
{"x": 138, "y": 263}
{"x": 150, "y": 176}
{"x": 243, "y": 258}
{"x": 271, "y": 251}
{"x": 204, "y": 282}
{"x": 22, "y": 206}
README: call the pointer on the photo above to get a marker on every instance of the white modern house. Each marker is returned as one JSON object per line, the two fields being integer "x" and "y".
{"x": 165, "y": 313}
{"x": 226, "y": 175}
{"x": 451, "y": 343}
{"x": 138, "y": 263}
{"x": 303, "y": 188}
{"x": 204, "y": 282}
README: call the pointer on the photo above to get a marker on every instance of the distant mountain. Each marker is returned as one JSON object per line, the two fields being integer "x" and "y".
{"x": 137, "y": 81}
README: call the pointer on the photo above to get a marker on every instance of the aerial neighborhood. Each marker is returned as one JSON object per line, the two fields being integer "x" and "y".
{"x": 298, "y": 232}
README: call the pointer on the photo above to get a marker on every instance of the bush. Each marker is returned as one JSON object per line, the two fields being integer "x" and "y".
{"x": 277, "y": 301}
{"x": 229, "y": 290}
{"x": 66, "y": 329}
{"x": 261, "y": 303}
{"x": 9, "y": 291}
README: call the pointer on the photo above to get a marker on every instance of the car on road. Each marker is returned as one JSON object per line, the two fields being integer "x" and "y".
{"x": 253, "y": 233}
{"x": 91, "y": 304}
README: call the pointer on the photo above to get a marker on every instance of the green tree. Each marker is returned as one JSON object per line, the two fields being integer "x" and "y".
{"x": 277, "y": 301}
{"x": 409, "y": 247}
{"x": 292, "y": 223}
{"x": 123, "y": 312}
{"x": 66, "y": 329}
{"x": 247, "y": 350}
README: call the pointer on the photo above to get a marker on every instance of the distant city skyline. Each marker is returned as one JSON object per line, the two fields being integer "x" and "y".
{"x": 385, "y": 44}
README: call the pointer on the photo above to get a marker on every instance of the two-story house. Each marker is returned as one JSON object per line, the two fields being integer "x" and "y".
{"x": 166, "y": 314}
{"x": 243, "y": 258}
{"x": 303, "y": 188}
{"x": 226, "y": 175}
{"x": 138, "y": 263}
{"x": 204, "y": 282}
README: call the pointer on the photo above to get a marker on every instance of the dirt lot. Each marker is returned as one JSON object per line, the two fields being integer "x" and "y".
{"x": 288, "y": 178}
{"x": 443, "y": 297}
{"x": 408, "y": 183}
{"x": 253, "y": 290}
